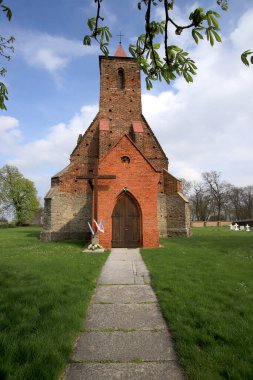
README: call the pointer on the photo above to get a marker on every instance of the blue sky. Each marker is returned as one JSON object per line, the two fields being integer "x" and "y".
{"x": 53, "y": 84}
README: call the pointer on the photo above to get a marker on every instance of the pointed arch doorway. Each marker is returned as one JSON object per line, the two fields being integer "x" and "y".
{"x": 126, "y": 222}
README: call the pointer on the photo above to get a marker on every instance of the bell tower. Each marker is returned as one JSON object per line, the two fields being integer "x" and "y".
{"x": 120, "y": 88}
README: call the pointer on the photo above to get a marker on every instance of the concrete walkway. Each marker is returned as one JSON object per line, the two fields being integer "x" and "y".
{"x": 125, "y": 335}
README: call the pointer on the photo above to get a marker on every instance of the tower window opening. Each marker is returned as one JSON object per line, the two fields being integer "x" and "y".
{"x": 121, "y": 79}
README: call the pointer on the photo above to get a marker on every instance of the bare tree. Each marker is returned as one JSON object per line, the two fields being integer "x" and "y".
{"x": 247, "y": 200}
{"x": 186, "y": 187}
{"x": 217, "y": 192}
{"x": 200, "y": 202}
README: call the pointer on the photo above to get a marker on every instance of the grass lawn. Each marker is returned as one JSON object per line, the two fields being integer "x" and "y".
{"x": 45, "y": 289}
{"x": 205, "y": 288}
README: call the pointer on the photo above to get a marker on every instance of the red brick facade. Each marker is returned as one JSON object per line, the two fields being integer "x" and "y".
{"x": 140, "y": 178}
{"x": 119, "y": 129}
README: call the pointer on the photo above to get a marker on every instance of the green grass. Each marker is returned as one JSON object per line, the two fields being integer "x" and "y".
{"x": 205, "y": 289}
{"x": 45, "y": 289}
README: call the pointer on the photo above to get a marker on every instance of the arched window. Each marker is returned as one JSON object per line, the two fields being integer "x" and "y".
{"x": 121, "y": 79}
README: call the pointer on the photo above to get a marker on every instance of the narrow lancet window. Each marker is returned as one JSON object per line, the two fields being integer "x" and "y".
{"x": 121, "y": 79}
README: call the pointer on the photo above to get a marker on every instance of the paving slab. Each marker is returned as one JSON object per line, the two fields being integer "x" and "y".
{"x": 126, "y": 336}
{"x": 124, "y": 294}
{"x": 124, "y": 267}
{"x": 124, "y": 346}
{"x": 124, "y": 316}
{"x": 124, "y": 371}
{"x": 117, "y": 272}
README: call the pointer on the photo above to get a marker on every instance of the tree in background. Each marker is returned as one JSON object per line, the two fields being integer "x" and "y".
{"x": 18, "y": 195}
{"x": 186, "y": 186}
{"x": 200, "y": 202}
{"x": 160, "y": 60}
{"x": 241, "y": 202}
{"x": 6, "y": 46}
{"x": 214, "y": 199}
{"x": 216, "y": 191}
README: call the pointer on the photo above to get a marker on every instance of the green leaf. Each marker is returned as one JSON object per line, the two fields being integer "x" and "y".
{"x": 156, "y": 46}
{"x": 3, "y": 96}
{"x": 8, "y": 12}
{"x": 217, "y": 36}
{"x": 185, "y": 76}
{"x": 132, "y": 51}
{"x": 139, "y": 6}
{"x": 174, "y": 47}
{"x": 211, "y": 39}
{"x": 199, "y": 34}
{"x": 148, "y": 83}
{"x": 192, "y": 71}
{"x": 214, "y": 21}
{"x": 192, "y": 63}
{"x": 244, "y": 60}
{"x": 194, "y": 35}
{"x": 190, "y": 79}
{"x": 87, "y": 41}
{"x": 178, "y": 31}
{"x": 208, "y": 34}
{"x": 208, "y": 20}
{"x": 216, "y": 14}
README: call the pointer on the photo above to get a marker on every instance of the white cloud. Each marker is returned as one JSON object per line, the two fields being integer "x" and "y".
{"x": 49, "y": 60}
{"x": 51, "y": 53}
{"x": 10, "y": 133}
{"x": 207, "y": 125}
{"x": 51, "y": 154}
{"x": 242, "y": 35}
{"x": 204, "y": 126}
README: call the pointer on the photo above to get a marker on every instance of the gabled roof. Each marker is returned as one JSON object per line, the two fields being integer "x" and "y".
{"x": 134, "y": 145}
{"x": 120, "y": 52}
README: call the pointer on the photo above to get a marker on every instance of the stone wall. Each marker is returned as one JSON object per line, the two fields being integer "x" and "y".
{"x": 178, "y": 218}
{"x": 173, "y": 215}
{"x": 162, "y": 214}
{"x": 66, "y": 216}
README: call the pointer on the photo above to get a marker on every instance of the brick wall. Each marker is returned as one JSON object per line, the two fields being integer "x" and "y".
{"x": 140, "y": 178}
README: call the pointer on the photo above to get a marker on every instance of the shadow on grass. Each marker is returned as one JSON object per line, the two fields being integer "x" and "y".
{"x": 26, "y": 231}
{"x": 68, "y": 243}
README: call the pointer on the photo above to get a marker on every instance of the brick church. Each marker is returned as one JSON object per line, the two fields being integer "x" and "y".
{"x": 118, "y": 172}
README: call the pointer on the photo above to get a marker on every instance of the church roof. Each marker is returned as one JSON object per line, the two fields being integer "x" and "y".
{"x": 120, "y": 52}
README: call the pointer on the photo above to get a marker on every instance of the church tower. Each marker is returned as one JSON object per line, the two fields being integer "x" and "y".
{"x": 118, "y": 172}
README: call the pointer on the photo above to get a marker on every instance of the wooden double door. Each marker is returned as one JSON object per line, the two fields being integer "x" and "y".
{"x": 126, "y": 223}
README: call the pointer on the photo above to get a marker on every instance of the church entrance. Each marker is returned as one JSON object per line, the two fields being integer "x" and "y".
{"x": 126, "y": 221}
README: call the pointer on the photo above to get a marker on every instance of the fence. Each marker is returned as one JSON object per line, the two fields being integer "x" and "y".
{"x": 209, "y": 223}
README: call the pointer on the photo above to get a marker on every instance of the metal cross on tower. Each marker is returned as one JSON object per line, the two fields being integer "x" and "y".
{"x": 120, "y": 35}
